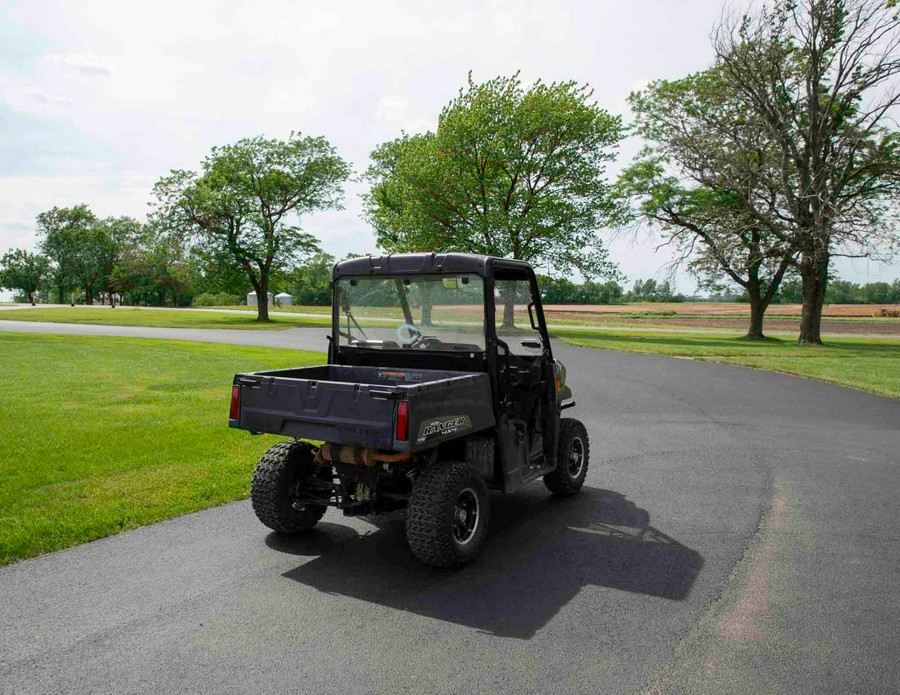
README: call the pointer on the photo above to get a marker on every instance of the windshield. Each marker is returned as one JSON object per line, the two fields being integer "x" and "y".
{"x": 413, "y": 312}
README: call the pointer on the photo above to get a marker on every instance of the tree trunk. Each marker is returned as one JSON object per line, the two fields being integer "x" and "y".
{"x": 758, "y": 308}
{"x": 31, "y": 298}
{"x": 61, "y": 294}
{"x": 509, "y": 305}
{"x": 813, "y": 276}
{"x": 426, "y": 304}
{"x": 88, "y": 295}
{"x": 262, "y": 297}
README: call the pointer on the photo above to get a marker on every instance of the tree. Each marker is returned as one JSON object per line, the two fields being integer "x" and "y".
{"x": 80, "y": 246}
{"x": 125, "y": 237}
{"x": 511, "y": 171}
{"x": 790, "y": 292}
{"x": 707, "y": 181}
{"x": 20, "y": 270}
{"x": 819, "y": 75}
{"x": 245, "y": 202}
{"x": 310, "y": 282}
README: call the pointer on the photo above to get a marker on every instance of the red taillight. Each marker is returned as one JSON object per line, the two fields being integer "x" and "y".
{"x": 402, "y": 432}
{"x": 235, "y": 402}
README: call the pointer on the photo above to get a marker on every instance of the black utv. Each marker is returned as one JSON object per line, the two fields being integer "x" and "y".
{"x": 440, "y": 386}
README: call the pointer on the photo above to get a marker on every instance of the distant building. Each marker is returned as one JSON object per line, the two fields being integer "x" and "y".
{"x": 251, "y": 299}
{"x": 284, "y": 299}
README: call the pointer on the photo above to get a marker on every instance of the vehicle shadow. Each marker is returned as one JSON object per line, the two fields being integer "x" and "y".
{"x": 540, "y": 552}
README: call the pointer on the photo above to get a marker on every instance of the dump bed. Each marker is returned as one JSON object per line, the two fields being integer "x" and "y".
{"x": 361, "y": 406}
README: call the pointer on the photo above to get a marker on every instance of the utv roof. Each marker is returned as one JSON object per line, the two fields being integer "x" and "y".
{"x": 403, "y": 263}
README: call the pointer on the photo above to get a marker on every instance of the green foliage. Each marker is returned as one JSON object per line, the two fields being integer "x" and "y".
{"x": 80, "y": 247}
{"x": 246, "y": 203}
{"x": 790, "y": 292}
{"x": 82, "y": 468}
{"x": 706, "y": 180}
{"x": 310, "y": 282}
{"x": 512, "y": 171}
{"x": 563, "y": 291}
{"x": 20, "y": 270}
{"x": 844, "y": 292}
{"x": 217, "y": 299}
{"x": 652, "y": 291}
{"x": 821, "y": 76}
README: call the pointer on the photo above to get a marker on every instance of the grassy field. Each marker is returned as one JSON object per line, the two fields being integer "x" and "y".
{"x": 164, "y": 318}
{"x": 871, "y": 365}
{"x": 105, "y": 434}
{"x": 663, "y": 309}
{"x": 723, "y": 317}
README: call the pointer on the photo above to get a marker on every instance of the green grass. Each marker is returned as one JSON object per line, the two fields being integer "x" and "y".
{"x": 866, "y": 364}
{"x": 104, "y": 434}
{"x": 293, "y": 309}
{"x": 182, "y": 318}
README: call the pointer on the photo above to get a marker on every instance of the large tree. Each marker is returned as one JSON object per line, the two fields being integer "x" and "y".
{"x": 511, "y": 171}
{"x": 125, "y": 235}
{"x": 24, "y": 271}
{"x": 80, "y": 246}
{"x": 246, "y": 202}
{"x": 821, "y": 76}
{"x": 708, "y": 181}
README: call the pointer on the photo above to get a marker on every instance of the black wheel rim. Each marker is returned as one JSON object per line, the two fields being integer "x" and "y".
{"x": 466, "y": 516}
{"x": 576, "y": 457}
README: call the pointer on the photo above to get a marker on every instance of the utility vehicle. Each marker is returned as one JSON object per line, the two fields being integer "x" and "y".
{"x": 440, "y": 386}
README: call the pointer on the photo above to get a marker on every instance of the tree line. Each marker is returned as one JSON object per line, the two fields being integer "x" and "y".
{"x": 757, "y": 171}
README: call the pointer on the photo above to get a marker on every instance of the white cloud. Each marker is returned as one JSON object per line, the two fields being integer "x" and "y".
{"x": 84, "y": 63}
{"x": 396, "y": 110}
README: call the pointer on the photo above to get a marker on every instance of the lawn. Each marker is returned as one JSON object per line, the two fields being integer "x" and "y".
{"x": 606, "y": 316}
{"x": 104, "y": 434}
{"x": 867, "y": 364}
{"x": 164, "y": 318}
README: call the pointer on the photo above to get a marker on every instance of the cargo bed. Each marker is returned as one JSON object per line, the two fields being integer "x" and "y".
{"x": 360, "y": 406}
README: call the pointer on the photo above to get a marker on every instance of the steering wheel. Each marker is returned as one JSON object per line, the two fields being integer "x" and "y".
{"x": 412, "y": 336}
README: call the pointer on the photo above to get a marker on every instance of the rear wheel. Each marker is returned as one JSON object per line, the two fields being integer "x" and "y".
{"x": 276, "y": 482}
{"x": 447, "y": 517}
{"x": 572, "y": 457}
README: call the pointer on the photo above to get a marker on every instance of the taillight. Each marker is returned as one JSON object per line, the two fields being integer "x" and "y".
{"x": 402, "y": 433}
{"x": 235, "y": 402}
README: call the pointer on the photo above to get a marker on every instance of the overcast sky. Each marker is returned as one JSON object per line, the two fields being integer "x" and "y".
{"x": 100, "y": 99}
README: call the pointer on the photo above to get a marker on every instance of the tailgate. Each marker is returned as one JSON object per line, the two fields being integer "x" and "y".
{"x": 345, "y": 413}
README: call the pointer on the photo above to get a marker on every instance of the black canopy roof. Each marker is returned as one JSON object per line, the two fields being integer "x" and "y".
{"x": 433, "y": 263}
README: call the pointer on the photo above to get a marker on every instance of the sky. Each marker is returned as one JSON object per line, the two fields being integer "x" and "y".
{"x": 99, "y": 99}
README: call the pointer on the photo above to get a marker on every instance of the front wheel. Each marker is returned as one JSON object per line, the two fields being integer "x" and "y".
{"x": 572, "y": 457}
{"x": 447, "y": 517}
{"x": 276, "y": 482}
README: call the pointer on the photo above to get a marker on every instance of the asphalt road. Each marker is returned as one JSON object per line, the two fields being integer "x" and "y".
{"x": 737, "y": 533}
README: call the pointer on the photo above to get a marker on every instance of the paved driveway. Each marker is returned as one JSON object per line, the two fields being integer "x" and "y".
{"x": 737, "y": 533}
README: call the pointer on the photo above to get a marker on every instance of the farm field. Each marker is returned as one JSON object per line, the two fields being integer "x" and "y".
{"x": 721, "y": 309}
{"x": 699, "y": 309}
{"x": 730, "y": 316}
{"x": 105, "y": 434}
{"x": 838, "y": 319}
